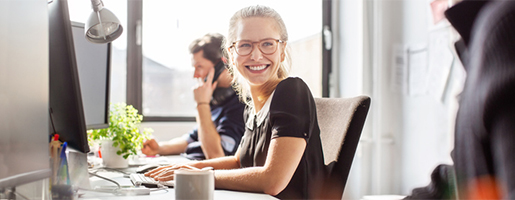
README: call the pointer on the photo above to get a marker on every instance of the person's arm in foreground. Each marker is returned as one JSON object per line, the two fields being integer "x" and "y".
{"x": 494, "y": 77}
{"x": 503, "y": 131}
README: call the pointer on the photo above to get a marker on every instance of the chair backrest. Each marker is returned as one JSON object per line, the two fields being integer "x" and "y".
{"x": 341, "y": 121}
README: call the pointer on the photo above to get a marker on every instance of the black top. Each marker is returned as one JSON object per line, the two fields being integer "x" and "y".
{"x": 292, "y": 113}
{"x": 227, "y": 116}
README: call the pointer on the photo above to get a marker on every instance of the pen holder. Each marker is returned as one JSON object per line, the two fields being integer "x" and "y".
{"x": 60, "y": 175}
{"x": 60, "y": 181}
{"x": 63, "y": 177}
{"x": 63, "y": 192}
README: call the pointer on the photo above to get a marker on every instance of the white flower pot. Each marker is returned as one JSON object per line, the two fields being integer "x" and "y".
{"x": 109, "y": 156}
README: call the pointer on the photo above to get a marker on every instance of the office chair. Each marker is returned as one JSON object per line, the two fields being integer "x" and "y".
{"x": 341, "y": 121}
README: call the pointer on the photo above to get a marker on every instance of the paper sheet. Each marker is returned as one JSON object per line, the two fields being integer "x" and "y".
{"x": 417, "y": 68}
{"x": 399, "y": 73}
{"x": 440, "y": 62}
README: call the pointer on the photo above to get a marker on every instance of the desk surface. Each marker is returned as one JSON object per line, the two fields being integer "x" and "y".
{"x": 169, "y": 194}
{"x": 155, "y": 193}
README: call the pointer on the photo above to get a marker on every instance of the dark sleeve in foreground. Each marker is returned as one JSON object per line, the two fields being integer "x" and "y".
{"x": 485, "y": 134}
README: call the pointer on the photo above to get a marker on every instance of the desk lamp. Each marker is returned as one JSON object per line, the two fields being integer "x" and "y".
{"x": 102, "y": 25}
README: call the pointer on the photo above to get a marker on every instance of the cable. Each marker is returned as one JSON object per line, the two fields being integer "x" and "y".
{"x": 121, "y": 191}
{"x": 159, "y": 189}
{"x": 51, "y": 111}
{"x": 113, "y": 191}
{"x": 116, "y": 170}
{"x": 107, "y": 179}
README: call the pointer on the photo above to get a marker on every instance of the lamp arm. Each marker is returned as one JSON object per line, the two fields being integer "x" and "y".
{"x": 97, "y": 5}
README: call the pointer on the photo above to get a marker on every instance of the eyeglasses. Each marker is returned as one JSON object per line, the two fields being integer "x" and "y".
{"x": 266, "y": 46}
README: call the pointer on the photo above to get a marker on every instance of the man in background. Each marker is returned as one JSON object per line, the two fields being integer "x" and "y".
{"x": 219, "y": 117}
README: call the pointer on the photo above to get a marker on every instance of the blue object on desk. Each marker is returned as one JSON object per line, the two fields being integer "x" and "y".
{"x": 63, "y": 150}
{"x": 62, "y": 173}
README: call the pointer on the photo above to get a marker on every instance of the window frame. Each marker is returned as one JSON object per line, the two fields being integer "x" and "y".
{"x": 326, "y": 53}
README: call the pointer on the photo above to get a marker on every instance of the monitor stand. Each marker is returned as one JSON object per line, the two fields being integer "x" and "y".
{"x": 78, "y": 168}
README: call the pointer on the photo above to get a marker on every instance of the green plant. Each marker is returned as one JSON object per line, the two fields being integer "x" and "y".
{"x": 123, "y": 130}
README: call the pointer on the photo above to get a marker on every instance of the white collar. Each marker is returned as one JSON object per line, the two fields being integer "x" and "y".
{"x": 261, "y": 115}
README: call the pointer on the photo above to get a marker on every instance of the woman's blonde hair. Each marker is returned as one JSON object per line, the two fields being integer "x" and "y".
{"x": 239, "y": 84}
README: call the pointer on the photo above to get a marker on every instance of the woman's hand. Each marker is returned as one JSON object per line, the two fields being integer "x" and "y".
{"x": 166, "y": 173}
{"x": 204, "y": 90}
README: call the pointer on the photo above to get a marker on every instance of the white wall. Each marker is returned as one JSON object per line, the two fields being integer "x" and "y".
{"x": 405, "y": 135}
{"x": 164, "y": 131}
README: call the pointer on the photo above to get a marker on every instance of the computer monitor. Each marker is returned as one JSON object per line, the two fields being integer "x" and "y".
{"x": 24, "y": 154}
{"x": 66, "y": 108}
{"x": 93, "y": 63}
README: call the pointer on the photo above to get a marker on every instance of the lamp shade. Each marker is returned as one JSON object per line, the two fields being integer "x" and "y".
{"x": 102, "y": 26}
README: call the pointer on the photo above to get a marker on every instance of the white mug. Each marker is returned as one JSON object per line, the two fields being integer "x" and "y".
{"x": 194, "y": 184}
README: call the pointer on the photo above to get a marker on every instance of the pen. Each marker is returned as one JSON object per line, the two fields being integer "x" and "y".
{"x": 63, "y": 167}
{"x": 54, "y": 145}
{"x": 54, "y": 153}
{"x": 63, "y": 149}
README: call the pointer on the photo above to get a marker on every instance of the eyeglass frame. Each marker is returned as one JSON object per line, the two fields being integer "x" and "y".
{"x": 279, "y": 41}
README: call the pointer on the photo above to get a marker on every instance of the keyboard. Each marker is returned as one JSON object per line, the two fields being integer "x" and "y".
{"x": 141, "y": 179}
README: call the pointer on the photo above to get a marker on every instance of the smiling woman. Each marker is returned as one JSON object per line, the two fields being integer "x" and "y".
{"x": 280, "y": 153}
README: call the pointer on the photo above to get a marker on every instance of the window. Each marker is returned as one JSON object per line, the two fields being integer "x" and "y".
{"x": 160, "y": 75}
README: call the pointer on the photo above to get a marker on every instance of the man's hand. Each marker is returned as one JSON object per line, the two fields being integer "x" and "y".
{"x": 150, "y": 147}
{"x": 204, "y": 90}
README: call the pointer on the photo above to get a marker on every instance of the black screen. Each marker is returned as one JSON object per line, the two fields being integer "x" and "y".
{"x": 93, "y": 63}
{"x": 66, "y": 110}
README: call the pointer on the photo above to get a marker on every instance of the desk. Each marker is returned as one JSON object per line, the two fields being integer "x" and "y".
{"x": 167, "y": 194}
